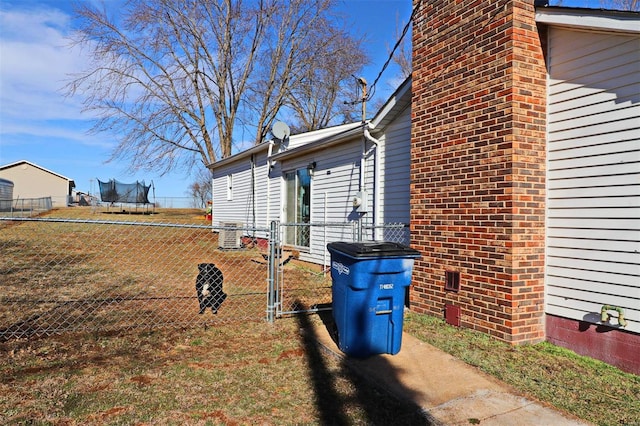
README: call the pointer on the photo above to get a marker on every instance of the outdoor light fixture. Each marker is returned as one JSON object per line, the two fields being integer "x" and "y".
{"x": 311, "y": 167}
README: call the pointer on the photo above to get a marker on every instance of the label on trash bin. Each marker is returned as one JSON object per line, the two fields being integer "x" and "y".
{"x": 386, "y": 286}
{"x": 340, "y": 268}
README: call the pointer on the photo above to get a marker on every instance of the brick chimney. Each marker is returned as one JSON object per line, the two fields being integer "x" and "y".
{"x": 478, "y": 166}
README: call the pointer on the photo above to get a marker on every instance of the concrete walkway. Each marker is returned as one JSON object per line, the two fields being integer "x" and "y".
{"x": 450, "y": 391}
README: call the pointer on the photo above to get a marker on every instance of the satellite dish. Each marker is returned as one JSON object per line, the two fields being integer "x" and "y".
{"x": 280, "y": 130}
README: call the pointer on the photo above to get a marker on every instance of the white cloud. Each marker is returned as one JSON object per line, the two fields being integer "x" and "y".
{"x": 35, "y": 62}
{"x": 75, "y": 132}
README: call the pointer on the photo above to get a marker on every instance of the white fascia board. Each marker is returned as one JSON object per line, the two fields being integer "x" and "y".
{"x": 314, "y": 135}
{"x": 397, "y": 99}
{"x": 239, "y": 156}
{"x": 8, "y": 166}
{"x": 590, "y": 19}
{"x": 300, "y": 141}
{"x": 319, "y": 144}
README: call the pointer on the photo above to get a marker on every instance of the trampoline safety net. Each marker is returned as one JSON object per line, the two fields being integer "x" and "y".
{"x": 118, "y": 192}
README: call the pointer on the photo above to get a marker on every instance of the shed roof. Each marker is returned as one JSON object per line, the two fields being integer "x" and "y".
{"x": 17, "y": 163}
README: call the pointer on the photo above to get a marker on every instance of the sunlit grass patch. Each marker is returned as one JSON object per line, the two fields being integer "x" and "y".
{"x": 585, "y": 387}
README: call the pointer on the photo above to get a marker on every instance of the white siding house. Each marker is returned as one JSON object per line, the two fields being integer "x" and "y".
{"x": 593, "y": 166}
{"x": 314, "y": 177}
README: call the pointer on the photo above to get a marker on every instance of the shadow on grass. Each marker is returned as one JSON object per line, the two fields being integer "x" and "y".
{"x": 380, "y": 406}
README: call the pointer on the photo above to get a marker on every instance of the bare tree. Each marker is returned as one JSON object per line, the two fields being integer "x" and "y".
{"x": 173, "y": 79}
{"x": 402, "y": 57}
{"x": 200, "y": 189}
{"x": 318, "y": 98}
{"x": 630, "y": 5}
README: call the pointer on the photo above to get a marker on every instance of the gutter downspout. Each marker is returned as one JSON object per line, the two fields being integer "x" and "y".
{"x": 253, "y": 194}
{"x": 363, "y": 152}
{"x": 376, "y": 180}
{"x": 269, "y": 167}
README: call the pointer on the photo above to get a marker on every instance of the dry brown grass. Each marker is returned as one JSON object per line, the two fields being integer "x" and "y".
{"x": 111, "y": 290}
{"x": 233, "y": 374}
{"x": 231, "y": 370}
{"x": 77, "y": 276}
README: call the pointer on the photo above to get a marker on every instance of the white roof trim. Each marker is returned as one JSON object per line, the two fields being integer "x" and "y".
{"x": 6, "y": 166}
{"x": 301, "y": 142}
{"x": 590, "y": 19}
{"x": 314, "y": 135}
{"x": 319, "y": 144}
{"x": 391, "y": 103}
{"x": 253, "y": 150}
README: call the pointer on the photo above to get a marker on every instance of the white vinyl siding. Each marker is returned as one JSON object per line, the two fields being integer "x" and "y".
{"x": 261, "y": 194}
{"x": 395, "y": 160}
{"x": 593, "y": 175}
{"x": 231, "y": 204}
{"x": 337, "y": 154}
{"x": 229, "y": 187}
{"x": 249, "y": 201}
{"x": 274, "y": 194}
{"x": 334, "y": 183}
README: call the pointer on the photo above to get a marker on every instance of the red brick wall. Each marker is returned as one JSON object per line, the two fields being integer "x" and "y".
{"x": 478, "y": 164}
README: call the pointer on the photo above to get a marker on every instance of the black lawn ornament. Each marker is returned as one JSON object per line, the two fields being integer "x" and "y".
{"x": 209, "y": 287}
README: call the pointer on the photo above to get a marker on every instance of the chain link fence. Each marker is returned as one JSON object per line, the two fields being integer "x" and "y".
{"x": 25, "y": 207}
{"x": 305, "y": 285}
{"x": 60, "y": 275}
{"x": 97, "y": 272}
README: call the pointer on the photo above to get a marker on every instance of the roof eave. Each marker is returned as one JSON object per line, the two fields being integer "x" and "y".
{"x": 399, "y": 100}
{"x": 6, "y": 166}
{"x": 239, "y": 156}
{"x": 589, "y": 19}
{"x": 318, "y": 145}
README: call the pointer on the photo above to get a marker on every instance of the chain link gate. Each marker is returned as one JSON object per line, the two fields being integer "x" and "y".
{"x": 299, "y": 282}
{"x": 300, "y": 279}
{"x": 61, "y": 274}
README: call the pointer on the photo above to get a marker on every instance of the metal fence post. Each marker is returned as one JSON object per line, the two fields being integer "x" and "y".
{"x": 89, "y": 260}
{"x": 271, "y": 280}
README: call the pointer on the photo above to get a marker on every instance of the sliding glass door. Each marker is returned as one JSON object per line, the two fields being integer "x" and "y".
{"x": 298, "y": 206}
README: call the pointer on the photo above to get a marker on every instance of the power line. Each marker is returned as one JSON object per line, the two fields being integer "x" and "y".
{"x": 393, "y": 51}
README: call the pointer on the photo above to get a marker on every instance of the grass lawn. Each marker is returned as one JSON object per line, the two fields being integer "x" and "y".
{"x": 582, "y": 386}
{"x": 257, "y": 373}
{"x": 232, "y": 373}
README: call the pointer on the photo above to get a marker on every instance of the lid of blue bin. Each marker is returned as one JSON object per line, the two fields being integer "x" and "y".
{"x": 373, "y": 249}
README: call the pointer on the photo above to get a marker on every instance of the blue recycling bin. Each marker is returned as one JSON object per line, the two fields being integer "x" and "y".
{"x": 369, "y": 282}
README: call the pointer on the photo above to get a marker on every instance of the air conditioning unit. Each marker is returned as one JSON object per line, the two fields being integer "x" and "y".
{"x": 230, "y": 236}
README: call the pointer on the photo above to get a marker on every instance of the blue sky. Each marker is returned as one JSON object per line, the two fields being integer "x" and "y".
{"x": 38, "y": 124}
